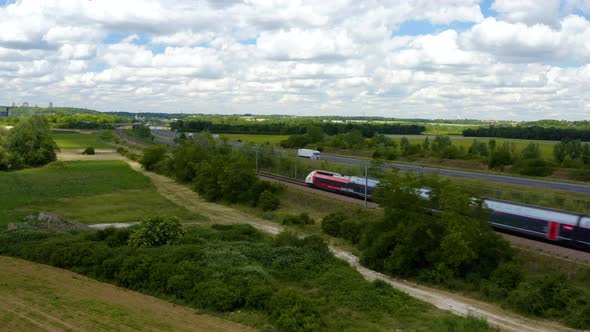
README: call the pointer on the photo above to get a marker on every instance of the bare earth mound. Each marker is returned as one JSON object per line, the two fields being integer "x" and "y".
{"x": 37, "y": 297}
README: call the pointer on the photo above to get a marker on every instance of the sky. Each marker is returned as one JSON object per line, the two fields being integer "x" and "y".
{"x": 453, "y": 59}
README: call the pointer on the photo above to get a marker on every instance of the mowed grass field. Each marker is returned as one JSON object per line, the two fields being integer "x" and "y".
{"x": 77, "y": 140}
{"x": 256, "y": 139}
{"x": 35, "y": 297}
{"x": 88, "y": 191}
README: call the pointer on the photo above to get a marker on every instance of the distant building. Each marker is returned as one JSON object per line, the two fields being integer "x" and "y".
{"x": 26, "y": 104}
{"x": 50, "y": 104}
{"x": 4, "y": 111}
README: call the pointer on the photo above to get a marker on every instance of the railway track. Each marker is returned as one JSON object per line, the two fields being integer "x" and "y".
{"x": 282, "y": 179}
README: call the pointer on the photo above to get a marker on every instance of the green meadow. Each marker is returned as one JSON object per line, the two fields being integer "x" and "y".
{"x": 88, "y": 191}
{"x": 256, "y": 139}
{"x": 75, "y": 140}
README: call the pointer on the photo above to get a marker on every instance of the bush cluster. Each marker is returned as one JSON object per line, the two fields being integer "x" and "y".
{"x": 215, "y": 171}
{"x": 342, "y": 226}
{"x": 225, "y": 268}
{"x": 89, "y": 151}
{"x": 297, "y": 220}
{"x": 128, "y": 154}
{"x": 28, "y": 144}
{"x": 158, "y": 231}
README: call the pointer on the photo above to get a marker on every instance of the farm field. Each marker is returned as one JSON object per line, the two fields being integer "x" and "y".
{"x": 36, "y": 297}
{"x": 256, "y": 139}
{"x": 78, "y": 140}
{"x": 88, "y": 191}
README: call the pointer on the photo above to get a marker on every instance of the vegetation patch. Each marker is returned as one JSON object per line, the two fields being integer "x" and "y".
{"x": 447, "y": 240}
{"x": 256, "y": 139}
{"x": 38, "y": 297}
{"x": 284, "y": 284}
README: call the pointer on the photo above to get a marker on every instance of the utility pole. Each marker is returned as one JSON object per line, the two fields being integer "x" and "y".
{"x": 257, "y": 160}
{"x": 366, "y": 182}
{"x": 296, "y": 157}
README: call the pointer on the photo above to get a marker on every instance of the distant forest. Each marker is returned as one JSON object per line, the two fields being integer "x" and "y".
{"x": 530, "y": 132}
{"x": 296, "y": 127}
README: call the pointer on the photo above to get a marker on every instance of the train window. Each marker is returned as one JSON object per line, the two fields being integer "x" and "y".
{"x": 585, "y": 222}
{"x": 330, "y": 182}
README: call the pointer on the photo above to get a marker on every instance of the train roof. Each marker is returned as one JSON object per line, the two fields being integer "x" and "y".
{"x": 532, "y": 211}
{"x": 362, "y": 180}
{"x": 532, "y": 206}
{"x": 318, "y": 171}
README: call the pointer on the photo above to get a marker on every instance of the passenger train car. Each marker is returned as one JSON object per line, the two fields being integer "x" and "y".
{"x": 533, "y": 221}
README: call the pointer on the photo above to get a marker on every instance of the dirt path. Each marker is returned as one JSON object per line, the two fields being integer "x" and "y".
{"x": 454, "y": 303}
{"x": 36, "y": 297}
{"x": 218, "y": 214}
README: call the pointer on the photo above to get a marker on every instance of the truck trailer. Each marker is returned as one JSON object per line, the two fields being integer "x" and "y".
{"x": 309, "y": 154}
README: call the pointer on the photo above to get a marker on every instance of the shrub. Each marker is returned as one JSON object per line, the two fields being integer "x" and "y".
{"x": 217, "y": 295}
{"x": 503, "y": 280}
{"x": 580, "y": 174}
{"x": 300, "y": 220}
{"x": 578, "y": 316}
{"x": 268, "y": 201}
{"x": 548, "y": 296}
{"x": 88, "y": 150}
{"x": 351, "y": 230}
{"x": 152, "y": 156}
{"x": 331, "y": 223}
{"x": 534, "y": 167}
{"x": 294, "y": 312}
{"x": 157, "y": 231}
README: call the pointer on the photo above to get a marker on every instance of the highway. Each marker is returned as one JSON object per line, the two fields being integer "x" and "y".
{"x": 496, "y": 178}
{"x": 504, "y": 179}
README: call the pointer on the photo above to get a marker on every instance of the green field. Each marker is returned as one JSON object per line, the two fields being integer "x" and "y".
{"x": 88, "y": 191}
{"x": 256, "y": 139}
{"x": 75, "y": 140}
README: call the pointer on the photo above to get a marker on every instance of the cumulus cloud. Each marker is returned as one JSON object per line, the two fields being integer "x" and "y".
{"x": 299, "y": 57}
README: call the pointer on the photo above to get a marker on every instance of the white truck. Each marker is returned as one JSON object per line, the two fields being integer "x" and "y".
{"x": 307, "y": 153}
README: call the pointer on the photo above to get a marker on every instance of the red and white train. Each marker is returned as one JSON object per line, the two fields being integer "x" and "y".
{"x": 534, "y": 221}
{"x": 342, "y": 184}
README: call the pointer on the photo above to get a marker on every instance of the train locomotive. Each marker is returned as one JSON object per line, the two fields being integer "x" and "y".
{"x": 569, "y": 228}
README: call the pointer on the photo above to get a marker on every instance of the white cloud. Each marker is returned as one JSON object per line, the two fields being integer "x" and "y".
{"x": 299, "y": 57}
{"x": 537, "y": 43}
{"x": 529, "y": 11}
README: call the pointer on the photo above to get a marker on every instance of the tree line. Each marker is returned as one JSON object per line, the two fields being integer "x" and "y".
{"x": 85, "y": 121}
{"x": 530, "y": 132}
{"x": 295, "y": 128}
